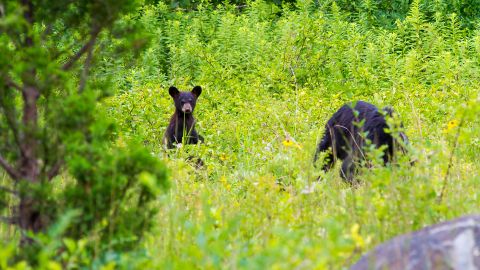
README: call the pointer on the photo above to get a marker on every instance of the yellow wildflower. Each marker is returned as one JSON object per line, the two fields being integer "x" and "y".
{"x": 356, "y": 237}
{"x": 225, "y": 183}
{"x": 223, "y": 179}
{"x": 287, "y": 142}
{"x": 451, "y": 125}
{"x": 223, "y": 157}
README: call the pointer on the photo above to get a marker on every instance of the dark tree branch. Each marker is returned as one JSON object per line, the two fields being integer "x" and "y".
{"x": 10, "y": 83}
{"x": 54, "y": 170}
{"x": 8, "y": 190}
{"x": 28, "y": 165}
{"x": 9, "y": 169}
{"x": 9, "y": 220}
{"x": 28, "y": 15}
{"x": 86, "y": 47}
{"x": 9, "y": 111}
{"x": 12, "y": 123}
{"x": 66, "y": 48}
{"x": 86, "y": 67}
{"x": 29, "y": 144}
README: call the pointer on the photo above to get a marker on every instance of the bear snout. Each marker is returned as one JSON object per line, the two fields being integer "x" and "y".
{"x": 187, "y": 108}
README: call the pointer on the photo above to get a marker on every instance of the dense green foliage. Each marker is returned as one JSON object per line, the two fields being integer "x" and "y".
{"x": 272, "y": 75}
{"x": 269, "y": 77}
{"x": 378, "y": 13}
{"x": 65, "y": 183}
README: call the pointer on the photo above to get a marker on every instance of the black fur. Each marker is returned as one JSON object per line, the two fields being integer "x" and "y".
{"x": 343, "y": 141}
{"x": 182, "y": 123}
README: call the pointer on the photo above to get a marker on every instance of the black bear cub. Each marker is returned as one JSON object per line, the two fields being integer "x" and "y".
{"x": 343, "y": 137}
{"x": 182, "y": 123}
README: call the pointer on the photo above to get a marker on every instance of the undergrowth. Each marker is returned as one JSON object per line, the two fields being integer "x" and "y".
{"x": 272, "y": 76}
{"x": 271, "y": 81}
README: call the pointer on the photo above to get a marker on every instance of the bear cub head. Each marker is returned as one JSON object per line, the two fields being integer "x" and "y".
{"x": 185, "y": 101}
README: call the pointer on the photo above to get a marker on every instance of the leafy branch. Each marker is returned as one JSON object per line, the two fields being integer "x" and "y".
{"x": 85, "y": 48}
{"x": 12, "y": 172}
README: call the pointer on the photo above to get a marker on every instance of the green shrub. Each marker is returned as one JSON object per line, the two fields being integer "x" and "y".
{"x": 70, "y": 191}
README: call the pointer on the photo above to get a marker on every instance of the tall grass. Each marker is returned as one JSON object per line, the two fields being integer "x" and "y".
{"x": 270, "y": 75}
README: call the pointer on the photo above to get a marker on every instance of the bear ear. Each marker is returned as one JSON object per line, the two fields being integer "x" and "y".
{"x": 197, "y": 90}
{"x": 388, "y": 111}
{"x": 173, "y": 91}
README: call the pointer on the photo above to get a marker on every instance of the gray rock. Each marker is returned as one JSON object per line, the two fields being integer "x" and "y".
{"x": 453, "y": 244}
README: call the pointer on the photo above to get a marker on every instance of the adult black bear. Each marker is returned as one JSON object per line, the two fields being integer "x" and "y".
{"x": 343, "y": 136}
{"x": 182, "y": 123}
